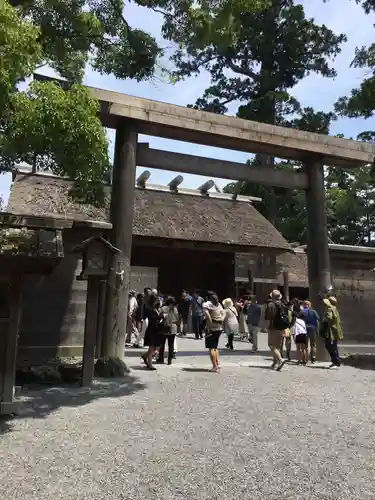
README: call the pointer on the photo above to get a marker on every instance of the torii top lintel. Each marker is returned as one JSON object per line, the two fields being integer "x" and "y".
{"x": 190, "y": 125}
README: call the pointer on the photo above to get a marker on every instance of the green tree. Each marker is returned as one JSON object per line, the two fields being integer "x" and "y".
{"x": 268, "y": 53}
{"x": 361, "y": 101}
{"x": 67, "y": 35}
{"x": 351, "y": 206}
{"x": 44, "y": 126}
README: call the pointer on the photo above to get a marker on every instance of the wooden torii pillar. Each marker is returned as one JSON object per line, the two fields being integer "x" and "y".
{"x": 319, "y": 268}
{"x": 121, "y": 212}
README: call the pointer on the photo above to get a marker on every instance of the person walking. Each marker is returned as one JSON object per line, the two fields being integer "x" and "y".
{"x": 294, "y": 308}
{"x": 144, "y": 313}
{"x": 171, "y": 317}
{"x": 154, "y": 336}
{"x": 241, "y": 306}
{"x": 184, "y": 310}
{"x": 277, "y": 315}
{"x": 138, "y": 318}
{"x": 197, "y": 315}
{"x": 254, "y": 314}
{"x": 230, "y": 324}
{"x": 312, "y": 325}
{"x": 214, "y": 315}
{"x": 332, "y": 330}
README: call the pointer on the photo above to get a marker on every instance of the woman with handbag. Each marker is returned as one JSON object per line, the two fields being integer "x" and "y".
{"x": 171, "y": 320}
{"x": 154, "y": 335}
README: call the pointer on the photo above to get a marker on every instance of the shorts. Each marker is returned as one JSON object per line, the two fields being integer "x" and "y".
{"x": 274, "y": 337}
{"x": 311, "y": 336}
{"x": 301, "y": 338}
{"x": 212, "y": 339}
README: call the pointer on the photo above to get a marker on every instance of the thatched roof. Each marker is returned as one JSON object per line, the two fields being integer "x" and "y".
{"x": 296, "y": 263}
{"x": 156, "y": 213}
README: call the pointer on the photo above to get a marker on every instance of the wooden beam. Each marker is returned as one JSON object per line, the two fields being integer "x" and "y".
{"x": 150, "y": 242}
{"x": 223, "y": 169}
{"x": 33, "y": 222}
{"x": 171, "y": 121}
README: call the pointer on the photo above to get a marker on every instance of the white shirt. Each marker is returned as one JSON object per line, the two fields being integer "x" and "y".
{"x": 299, "y": 328}
{"x": 133, "y": 304}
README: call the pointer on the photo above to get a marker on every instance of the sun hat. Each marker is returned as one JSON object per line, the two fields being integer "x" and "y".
{"x": 332, "y": 300}
{"x": 276, "y": 294}
{"x": 228, "y": 302}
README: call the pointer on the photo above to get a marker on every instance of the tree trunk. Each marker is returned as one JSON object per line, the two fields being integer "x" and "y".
{"x": 122, "y": 200}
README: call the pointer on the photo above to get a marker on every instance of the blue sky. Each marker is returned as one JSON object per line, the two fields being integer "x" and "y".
{"x": 342, "y": 16}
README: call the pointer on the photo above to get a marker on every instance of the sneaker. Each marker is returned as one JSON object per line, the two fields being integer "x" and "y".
{"x": 333, "y": 365}
{"x": 280, "y": 365}
{"x": 273, "y": 366}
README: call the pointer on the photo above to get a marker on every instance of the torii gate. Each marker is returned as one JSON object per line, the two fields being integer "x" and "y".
{"x": 131, "y": 116}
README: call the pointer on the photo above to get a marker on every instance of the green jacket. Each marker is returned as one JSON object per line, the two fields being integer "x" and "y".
{"x": 332, "y": 318}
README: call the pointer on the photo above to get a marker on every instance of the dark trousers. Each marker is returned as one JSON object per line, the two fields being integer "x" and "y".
{"x": 197, "y": 324}
{"x": 230, "y": 340}
{"x": 170, "y": 340}
{"x": 331, "y": 346}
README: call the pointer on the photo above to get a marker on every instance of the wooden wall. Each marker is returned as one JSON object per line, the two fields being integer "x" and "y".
{"x": 188, "y": 269}
{"x": 53, "y": 308}
{"x": 354, "y": 284}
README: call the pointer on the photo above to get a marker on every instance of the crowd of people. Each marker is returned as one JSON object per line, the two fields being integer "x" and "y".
{"x": 155, "y": 321}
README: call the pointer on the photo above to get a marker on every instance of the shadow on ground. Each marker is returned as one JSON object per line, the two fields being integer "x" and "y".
{"x": 136, "y": 353}
{"x": 196, "y": 370}
{"x": 361, "y": 361}
{"x": 39, "y": 402}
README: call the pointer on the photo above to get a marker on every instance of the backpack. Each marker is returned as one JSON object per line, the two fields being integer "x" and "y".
{"x": 281, "y": 321}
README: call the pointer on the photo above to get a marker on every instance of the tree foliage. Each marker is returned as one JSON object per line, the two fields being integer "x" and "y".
{"x": 361, "y": 102}
{"x": 255, "y": 68}
{"x": 73, "y": 33}
{"x": 45, "y": 126}
{"x": 60, "y": 131}
{"x": 269, "y": 52}
{"x": 20, "y": 52}
{"x": 351, "y": 206}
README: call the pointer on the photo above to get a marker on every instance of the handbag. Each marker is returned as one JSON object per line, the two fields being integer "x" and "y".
{"x": 164, "y": 328}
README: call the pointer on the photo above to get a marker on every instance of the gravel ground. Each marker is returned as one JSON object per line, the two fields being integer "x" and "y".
{"x": 184, "y": 433}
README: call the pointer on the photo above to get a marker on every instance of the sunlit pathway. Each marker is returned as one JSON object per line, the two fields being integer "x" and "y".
{"x": 185, "y": 433}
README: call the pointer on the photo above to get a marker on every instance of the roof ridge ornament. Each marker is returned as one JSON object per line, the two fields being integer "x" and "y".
{"x": 206, "y": 186}
{"x": 143, "y": 178}
{"x": 175, "y": 182}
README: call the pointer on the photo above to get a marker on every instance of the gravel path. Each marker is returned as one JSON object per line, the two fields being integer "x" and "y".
{"x": 183, "y": 433}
